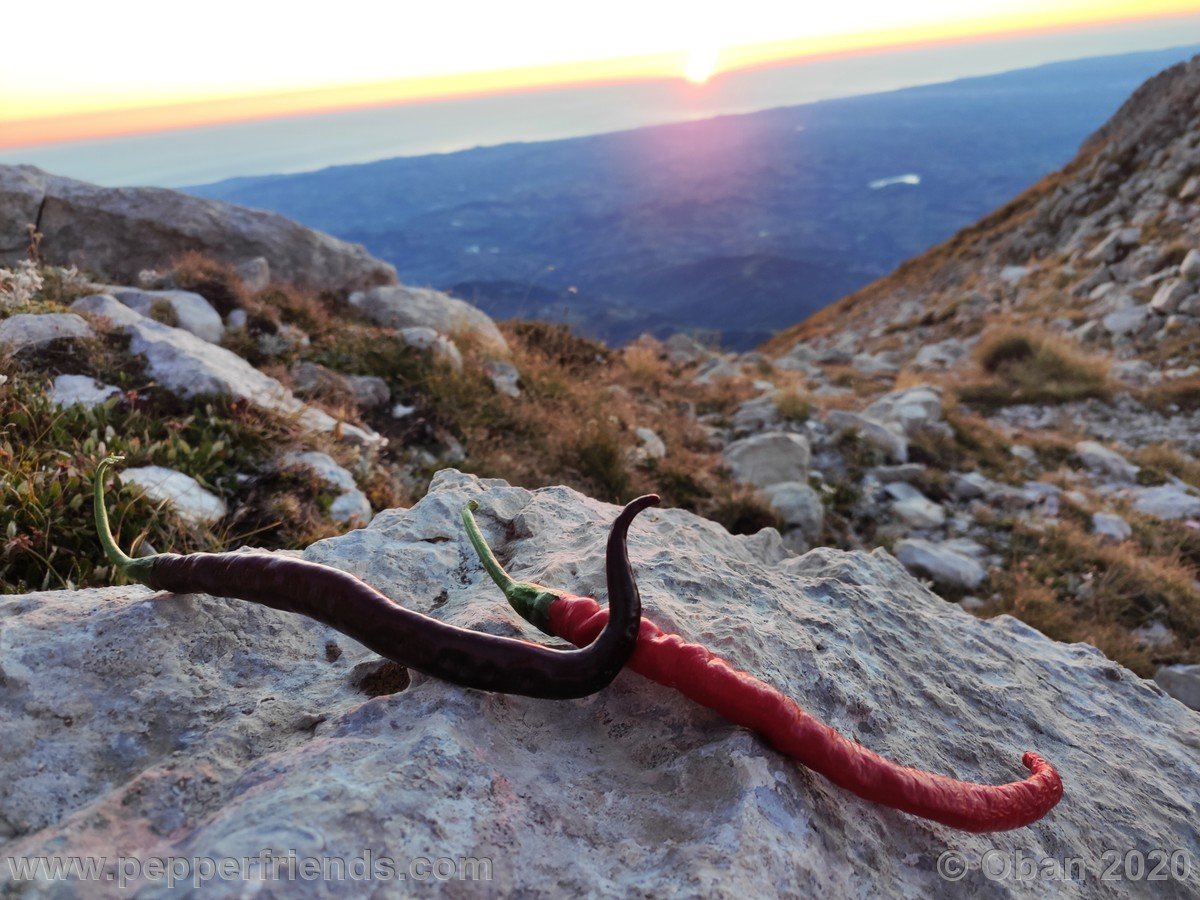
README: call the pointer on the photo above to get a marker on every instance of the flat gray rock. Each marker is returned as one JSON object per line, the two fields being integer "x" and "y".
{"x": 192, "y": 312}
{"x": 32, "y": 331}
{"x": 152, "y": 724}
{"x": 772, "y": 457}
{"x": 182, "y": 493}
{"x": 944, "y": 563}
{"x": 400, "y": 306}
{"x": 69, "y": 390}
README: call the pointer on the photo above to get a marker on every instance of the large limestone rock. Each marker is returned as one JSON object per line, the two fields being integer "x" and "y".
{"x": 150, "y": 724}
{"x": 400, "y": 306}
{"x": 117, "y": 232}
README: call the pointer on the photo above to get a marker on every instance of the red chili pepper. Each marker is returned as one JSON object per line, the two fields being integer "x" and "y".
{"x": 746, "y": 701}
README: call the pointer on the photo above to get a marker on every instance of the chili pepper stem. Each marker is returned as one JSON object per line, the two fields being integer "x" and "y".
{"x": 531, "y": 601}
{"x": 133, "y": 569}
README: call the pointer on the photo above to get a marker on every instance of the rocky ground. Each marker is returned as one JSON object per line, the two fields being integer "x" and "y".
{"x": 212, "y": 727}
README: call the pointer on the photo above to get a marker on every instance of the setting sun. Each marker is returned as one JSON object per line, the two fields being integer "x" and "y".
{"x": 701, "y": 64}
{"x": 273, "y": 67}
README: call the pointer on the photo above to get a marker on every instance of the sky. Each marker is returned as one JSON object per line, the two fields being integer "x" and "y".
{"x": 169, "y": 81}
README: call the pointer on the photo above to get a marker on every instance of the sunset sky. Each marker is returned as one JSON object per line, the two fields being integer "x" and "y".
{"x": 121, "y": 68}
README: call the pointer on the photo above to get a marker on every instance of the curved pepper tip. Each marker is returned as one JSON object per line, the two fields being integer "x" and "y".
{"x": 135, "y": 569}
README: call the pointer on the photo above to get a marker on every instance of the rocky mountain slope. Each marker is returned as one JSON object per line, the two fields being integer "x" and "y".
{"x": 1033, "y": 386}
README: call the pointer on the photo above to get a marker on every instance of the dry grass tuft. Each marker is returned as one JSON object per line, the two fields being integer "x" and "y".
{"x": 1075, "y": 586}
{"x": 1021, "y": 366}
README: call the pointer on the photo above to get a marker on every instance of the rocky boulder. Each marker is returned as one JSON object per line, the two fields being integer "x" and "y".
{"x": 399, "y": 306}
{"x": 910, "y": 409}
{"x": 117, "y": 232}
{"x": 190, "y": 311}
{"x": 1182, "y": 683}
{"x": 188, "y": 366}
{"x": 182, "y": 493}
{"x": 943, "y": 563}
{"x": 150, "y": 724}
{"x": 800, "y": 507}
{"x": 33, "y": 331}
{"x": 769, "y": 458}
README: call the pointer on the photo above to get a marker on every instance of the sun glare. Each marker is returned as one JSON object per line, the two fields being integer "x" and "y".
{"x": 701, "y": 64}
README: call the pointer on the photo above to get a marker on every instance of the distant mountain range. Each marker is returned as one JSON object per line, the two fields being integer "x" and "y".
{"x": 740, "y": 225}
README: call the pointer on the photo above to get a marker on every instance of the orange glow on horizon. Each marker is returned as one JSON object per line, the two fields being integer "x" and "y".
{"x": 699, "y": 64}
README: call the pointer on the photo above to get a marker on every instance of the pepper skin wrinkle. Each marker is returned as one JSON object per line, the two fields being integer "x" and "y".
{"x": 344, "y": 602}
{"x": 745, "y": 700}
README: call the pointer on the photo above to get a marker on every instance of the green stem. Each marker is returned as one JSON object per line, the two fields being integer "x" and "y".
{"x": 531, "y": 600}
{"x": 134, "y": 569}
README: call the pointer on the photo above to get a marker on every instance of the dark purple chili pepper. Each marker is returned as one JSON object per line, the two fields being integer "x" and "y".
{"x": 342, "y": 601}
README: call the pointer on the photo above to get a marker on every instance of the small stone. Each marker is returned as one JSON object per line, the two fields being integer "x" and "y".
{"x": 191, "y": 311}
{"x": 370, "y": 391}
{"x": 402, "y": 307}
{"x": 1167, "y": 501}
{"x": 942, "y": 564}
{"x": 890, "y": 442}
{"x": 70, "y": 390}
{"x": 908, "y": 472}
{"x": 941, "y": 355}
{"x": 652, "y": 446}
{"x": 31, "y": 331}
{"x": 181, "y": 492}
{"x": 351, "y": 504}
{"x": 1099, "y": 458}
{"x": 1154, "y": 635}
{"x": 1115, "y": 245}
{"x": 1190, "y": 267}
{"x": 442, "y": 347}
{"x": 255, "y": 274}
{"x": 1126, "y": 321}
{"x": 1021, "y": 452}
{"x": 683, "y": 349}
{"x": 914, "y": 508}
{"x": 401, "y": 410}
{"x": 1170, "y": 294}
{"x": 971, "y": 486}
{"x": 800, "y": 507}
{"x": 769, "y": 458}
{"x": 504, "y": 376}
{"x": 1182, "y": 683}
{"x": 1111, "y": 526}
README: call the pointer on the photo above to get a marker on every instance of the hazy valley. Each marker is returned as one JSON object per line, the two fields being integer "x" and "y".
{"x": 740, "y": 225}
